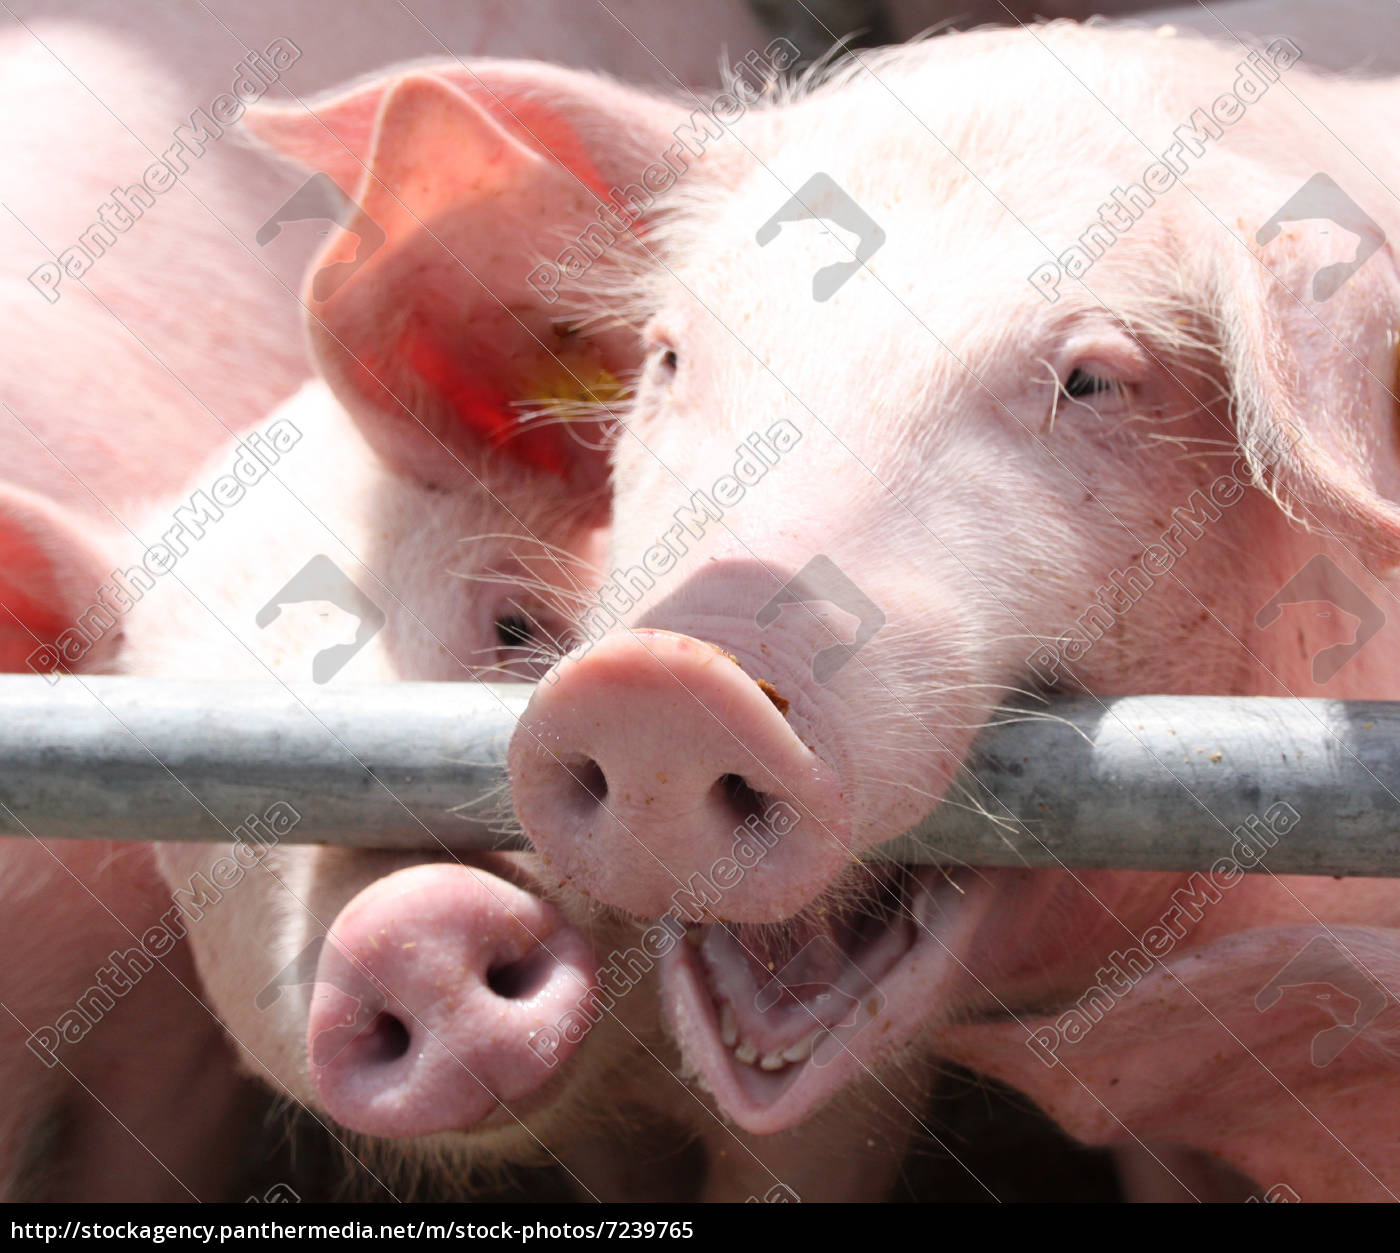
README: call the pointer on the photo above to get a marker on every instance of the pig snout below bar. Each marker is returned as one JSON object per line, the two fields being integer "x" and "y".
{"x": 1132, "y": 782}
{"x": 441, "y": 994}
{"x": 651, "y": 759}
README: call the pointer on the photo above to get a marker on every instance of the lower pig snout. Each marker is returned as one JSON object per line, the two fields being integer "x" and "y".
{"x": 655, "y": 758}
{"x": 439, "y": 994}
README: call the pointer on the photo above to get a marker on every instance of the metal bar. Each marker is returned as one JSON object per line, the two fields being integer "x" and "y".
{"x": 1176, "y": 782}
{"x": 393, "y": 765}
{"x": 1140, "y": 782}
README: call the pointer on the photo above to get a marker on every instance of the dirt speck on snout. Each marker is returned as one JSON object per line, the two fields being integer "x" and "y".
{"x": 780, "y": 702}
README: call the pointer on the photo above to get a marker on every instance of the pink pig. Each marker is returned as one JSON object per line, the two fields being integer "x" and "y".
{"x": 87, "y": 1019}
{"x": 1069, "y": 365}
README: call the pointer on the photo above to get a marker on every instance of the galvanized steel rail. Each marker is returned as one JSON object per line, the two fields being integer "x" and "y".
{"x": 1137, "y": 783}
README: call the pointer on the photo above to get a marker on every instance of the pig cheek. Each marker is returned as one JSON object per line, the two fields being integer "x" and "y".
{"x": 257, "y": 946}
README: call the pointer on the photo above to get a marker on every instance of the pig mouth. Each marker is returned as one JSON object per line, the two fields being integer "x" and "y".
{"x": 774, "y": 1020}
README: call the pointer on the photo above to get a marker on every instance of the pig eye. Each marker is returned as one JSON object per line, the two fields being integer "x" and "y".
{"x": 663, "y": 358}
{"x": 528, "y": 640}
{"x": 1081, "y": 383}
{"x": 514, "y": 630}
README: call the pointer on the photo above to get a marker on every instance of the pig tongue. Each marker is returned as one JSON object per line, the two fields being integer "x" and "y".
{"x": 776, "y": 1019}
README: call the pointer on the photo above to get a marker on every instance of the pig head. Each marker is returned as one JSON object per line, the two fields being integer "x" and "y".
{"x": 989, "y": 367}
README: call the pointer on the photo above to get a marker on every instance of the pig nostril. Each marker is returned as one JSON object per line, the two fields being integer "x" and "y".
{"x": 739, "y": 798}
{"x": 517, "y": 980}
{"x": 591, "y": 780}
{"x": 386, "y": 1040}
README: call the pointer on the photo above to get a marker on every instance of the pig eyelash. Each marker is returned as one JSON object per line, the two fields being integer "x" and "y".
{"x": 523, "y": 630}
{"x": 525, "y": 647}
{"x": 564, "y": 601}
{"x": 1081, "y": 383}
{"x": 1081, "y": 387}
{"x": 564, "y": 587}
{"x": 529, "y": 633}
{"x": 530, "y": 630}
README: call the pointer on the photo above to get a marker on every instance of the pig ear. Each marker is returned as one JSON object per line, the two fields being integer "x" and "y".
{"x": 332, "y": 136}
{"x": 1310, "y": 314}
{"x": 50, "y": 573}
{"x": 446, "y": 314}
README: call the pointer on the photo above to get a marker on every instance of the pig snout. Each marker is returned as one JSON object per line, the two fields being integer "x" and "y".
{"x": 655, "y": 758}
{"x": 439, "y": 995}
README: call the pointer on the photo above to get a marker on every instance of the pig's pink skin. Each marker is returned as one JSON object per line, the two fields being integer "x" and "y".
{"x": 446, "y": 547}
{"x": 924, "y": 393}
{"x": 93, "y": 1126}
{"x": 416, "y": 552}
{"x": 421, "y": 553}
{"x": 1188, "y": 1059}
{"x": 448, "y": 532}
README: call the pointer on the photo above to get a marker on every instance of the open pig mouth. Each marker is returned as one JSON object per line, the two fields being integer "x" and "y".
{"x": 776, "y": 1019}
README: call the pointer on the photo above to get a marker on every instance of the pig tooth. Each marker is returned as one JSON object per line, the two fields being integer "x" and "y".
{"x": 747, "y": 1053}
{"x": 772, "y": 1061}
{"x": 728, "y": 1026}
{"x": 802, "y": 1050}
